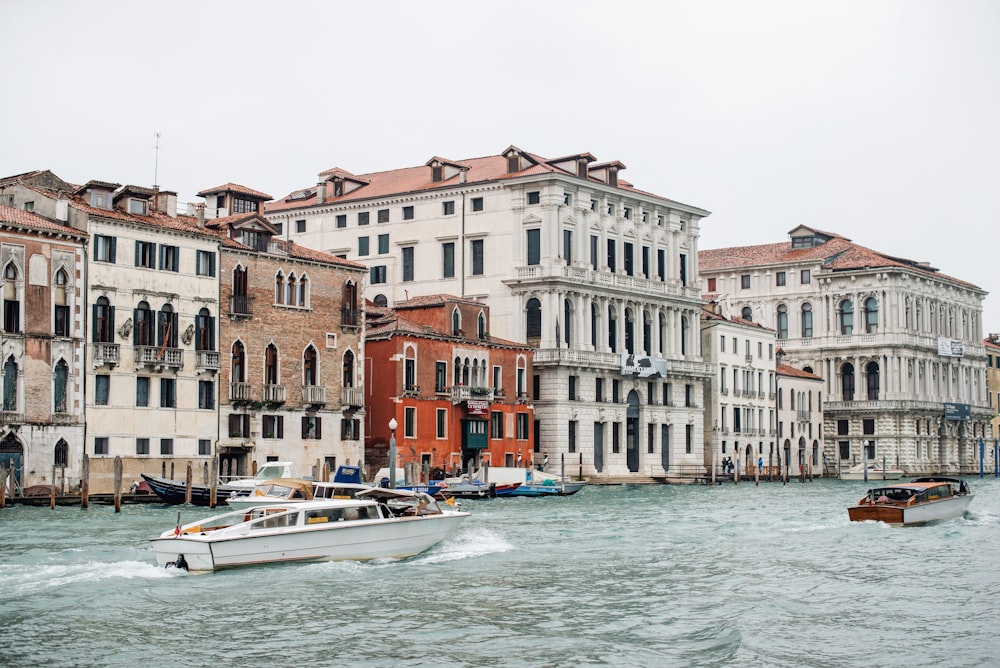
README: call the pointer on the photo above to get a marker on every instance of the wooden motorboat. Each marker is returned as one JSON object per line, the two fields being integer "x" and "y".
{"x": 917, "y": 502}
{"x": 345, "y": 485}
{"x": 376, "y": 524}
{"x": 875, "y": 472}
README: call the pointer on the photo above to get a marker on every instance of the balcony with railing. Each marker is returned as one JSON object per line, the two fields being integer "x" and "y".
{"x": 106, "y": 354}
{"x": 353, "y": 397}
{"x": 240, "y": 392}
{"x": 273, "y": 393}
{"x": 11, "y": 417}
{"x": 804, "y": 415}
{"x": 157, "y": 356}
{"x": 314, "y": 394}
{"x": 461, "y": 393}
{"x": 241, "y": 306}
{"x": 206, "y": 360}
{"x": 63, "y": 418}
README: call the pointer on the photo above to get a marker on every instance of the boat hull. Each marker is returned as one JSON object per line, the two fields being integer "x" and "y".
{"x": 557, "y": 489}
{"x": 395, "y": 538}
{"x": 920, "y": 513}
{"x": 174, "y": 492}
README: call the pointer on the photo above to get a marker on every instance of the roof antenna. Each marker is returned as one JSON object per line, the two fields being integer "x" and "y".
{"x": 156, "y": 158}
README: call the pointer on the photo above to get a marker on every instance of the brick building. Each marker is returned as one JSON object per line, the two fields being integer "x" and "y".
{"x": 292, "y": 376}
{"x": 457, "y": 393}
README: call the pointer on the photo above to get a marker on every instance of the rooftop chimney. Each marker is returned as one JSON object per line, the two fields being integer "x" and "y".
{"x": 321, "y": 192}
{"x": 62, "y": 207}
{"x": 199, "y": 211}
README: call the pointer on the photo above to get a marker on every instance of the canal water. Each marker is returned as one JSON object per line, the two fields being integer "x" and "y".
{"x": 733, "y": 575}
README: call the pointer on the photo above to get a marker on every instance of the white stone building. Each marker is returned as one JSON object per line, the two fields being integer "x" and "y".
{"x": 899, "y": 344}
{"x": 599, "y": 276}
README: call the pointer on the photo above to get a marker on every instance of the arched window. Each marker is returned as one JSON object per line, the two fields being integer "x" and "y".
{"x": 629, "y": 331}
{"x": 533, "y": 319}
{"x": 167, "y": 327}
{"x": 410, "y": 369}
{"x": 847, "y": 381}
{"x": 290, "y": 286}
{"x": 241, "y": 302}
{"x": 747, "y": 314}
{"x": 521, "y": 376}
{"x": 239, "y": 367}
{"x": 456, "y": 322}
{"x": 10, "y": 384}
{"x": 271, "y": 365}
{"x": 11, "y": 300}
{"x": 60, "y": 456}
{"x": 807, "y": 321}
{"x": 871, "y": 372}
{"x": 104, "y": 321}
{"x": 348, "y": 375}
{"x": 279, "y": 287}
{"x": 846, "y": 317}
{"x": 204, "y": 338}
{"x": 310, "y": 366}
{"x": 60, "y": 299}
{"x": 612, "y": 329}
{"x": 481, "y": 325}
{"x": 871, "y": 315}
{"x": 782, "y": 322}
{"x": 143, "y": 329}
{"x": 791, "y": 400}
{"x": 303, "y": 300}
{"x": 59, "y": 387}
{"x": 381, "y": 300}
{"x": 457, "y": 370}
{"x": 349, "y": 308}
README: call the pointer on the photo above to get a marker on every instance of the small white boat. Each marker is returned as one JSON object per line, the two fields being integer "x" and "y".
{"x": 875, "y": 472}
{"x": 376, "y": 524}
{"x": 917, "y": 502}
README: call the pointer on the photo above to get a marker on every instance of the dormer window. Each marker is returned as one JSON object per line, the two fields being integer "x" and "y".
{"x": 513, "y": 163}
{"x": 137, "y": 206}
{"x": 99, "y": 200}
{"x": 612, "y": 177}
{"x": 437, "y": 173}
{"x": 338, "y": 188}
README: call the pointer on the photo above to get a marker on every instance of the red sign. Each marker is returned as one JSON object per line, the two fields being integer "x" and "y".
{"x": 477, "y": 407}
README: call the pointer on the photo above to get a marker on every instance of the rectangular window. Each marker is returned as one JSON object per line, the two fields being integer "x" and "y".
{"x": 745, "y": 281}
{"x": 102, "y": 389}
{"x": 239, "y": 425}
{"x": 145, "y": 254}
{"x": 627, "y": 213}
{"x": 572, "y": 387}
{"x": 350, "y": 430}
{"x": 448, "y": 259}
{"x": 142, "y": 446}
{"x": 204, "y": 446}
{"x": 611, "y": 255}
{"x": 845, "y": 449}
{"x": 683, "y": 269}
{"x": 805, "y": 277}
{"x": 362, "y": 246}
{"x": 168, "y": 393}
{"x": 779, "y": 278}
{"x": 362, "y": 218}
{"x": 650, "y": 393}
{"x": 534, "y": 197}
{"x": 440, "y": 376}
{"x": 628, "y": 250}
{"x": 568, "y": 246}
{"x": 534, "y": 243}
{"x": 688, "y": 437}
{"x": 477, "y": 203}
{"x": 273, "y": 426}
{"x": 312, "y": 427}
{"x": 342, "y": 220}
{"x": 137, "y": 206}
{"x": 383, "y": 244}
{"x": 599, "y": 390}
{"x": 615, "y": 391}
{"x": 442, "y": 423}
{"x": 711, "y": 285}
{"x": 408, "y": 263}
{"x": 571, "y": 436}
{"x": 61, "y": 325}
{"x": 594, "y": 262}
{"x": 377, "y": 274}
{"x": 104, "y": 248}
{"x": 383, "y": 215}
{"x": 689, "y": 395}
{"x": 206, "y": 394}
{"x": 645, "y": 261}
{"x": 616, "y": 433}
{"x": 522, "y": 426}
{"x": 169, "y": 258}
{"x": 279, "y": 227}
{"x": 300, "y": 226}
{"x": 843, "y": 427}
{"x": 101, "y": 445}
{"x": 410, "y": 422}
{"x": 448, "y": 208}
{"x": 496, "y": 424}
{"x": 166, "y": 446}
{"x": 477, "y": 257}
{"x": 142, "y": 391}
{"x": 205, "y": 261}
{"x": 661, "y": 264}
{"x": 407, "y": 213}
{"x": 868, "y": 427}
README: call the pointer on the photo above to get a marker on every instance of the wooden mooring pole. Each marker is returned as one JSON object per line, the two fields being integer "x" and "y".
{"x": 118, "y": 484}
{"x": 188, "y": 479}
{"x": 85, "y": 482}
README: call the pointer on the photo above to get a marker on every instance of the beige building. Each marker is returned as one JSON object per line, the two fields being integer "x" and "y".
{"x": 992, "y": 346}
{"x": 898, "y": 344}
{"x": 41, "y": 337}
{"x": 800, "y": 424}
{"x": 599, "y": 276}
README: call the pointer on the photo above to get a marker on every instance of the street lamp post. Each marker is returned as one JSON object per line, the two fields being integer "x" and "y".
{"x": 392, "y": 453}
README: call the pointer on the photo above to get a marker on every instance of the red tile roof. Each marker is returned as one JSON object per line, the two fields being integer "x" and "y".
{"x": 785, "y": 370}
{"x": 415, "y": 179}
{"x": 219, "y": 227}
{"x": 12, "y": 216}
{"x": 235, "y": 188}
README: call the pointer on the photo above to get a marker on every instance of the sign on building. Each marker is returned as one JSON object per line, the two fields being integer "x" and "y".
{"x": 644, "y": 367}
{"x": 957, "y": 412}
{"x": 950, "y": 347}
{"x": 477, "y": 407}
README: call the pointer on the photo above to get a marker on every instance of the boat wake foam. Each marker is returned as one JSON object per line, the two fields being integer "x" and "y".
{"x": 30, "y": 580}
{"x": 465, "y": 544}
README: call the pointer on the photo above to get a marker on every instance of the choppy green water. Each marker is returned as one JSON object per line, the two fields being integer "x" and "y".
{"x": 640, "y": 576}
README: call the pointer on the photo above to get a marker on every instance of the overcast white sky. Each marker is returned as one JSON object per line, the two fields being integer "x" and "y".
{"x": 878, "y": 120}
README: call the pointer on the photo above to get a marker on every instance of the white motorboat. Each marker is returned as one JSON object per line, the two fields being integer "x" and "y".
{"x": 917, "y": 502}
{"x": 875, "y": 472}
{"x": 376, "y": 524}
{"x": 345, "y": 485}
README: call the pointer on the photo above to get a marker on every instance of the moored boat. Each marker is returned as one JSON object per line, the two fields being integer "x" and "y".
{"x": 875, "y": 472}
{"x": 175, "y": 491}
{"x": 376, "y": 524}
{"x": 530, "y": 482}
{"x": 462, "y": 488}
{"x": 917, "y": 502}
